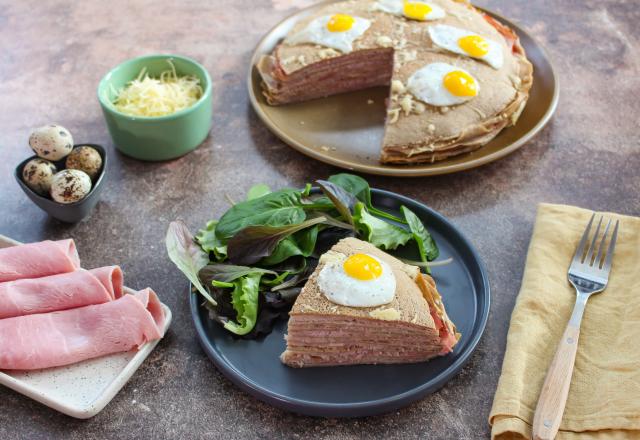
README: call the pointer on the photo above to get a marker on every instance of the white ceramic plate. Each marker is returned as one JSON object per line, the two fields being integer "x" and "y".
{"x": 80, "y": 390}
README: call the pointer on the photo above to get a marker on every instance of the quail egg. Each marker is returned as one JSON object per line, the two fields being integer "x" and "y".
{"x": 37, "y": 174}
{"x": 52, "y": 142}
{"x": 69, "y": 186}
{"x": 85, "y": 159}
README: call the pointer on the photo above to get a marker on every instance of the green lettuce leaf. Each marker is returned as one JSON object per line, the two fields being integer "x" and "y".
{"x": 209, "y": 242}
{"x": 257, "y": 191}
{"x": 378, "y": 232}
{"x": 244, "y": 298}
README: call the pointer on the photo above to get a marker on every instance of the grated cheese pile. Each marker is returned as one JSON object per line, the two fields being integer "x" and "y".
{"x": 146, "y": 96}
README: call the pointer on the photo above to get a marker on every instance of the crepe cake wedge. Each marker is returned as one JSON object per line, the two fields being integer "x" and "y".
{"x": 388, "y": 53}
{"x": 412, "y": 327}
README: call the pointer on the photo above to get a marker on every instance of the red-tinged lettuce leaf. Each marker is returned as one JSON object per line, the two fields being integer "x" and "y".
{"x": 342, "y": 200}
{"x": 187, "y": 255}
{"x": 253, "y": 243}
{"x": 228, "y": 273}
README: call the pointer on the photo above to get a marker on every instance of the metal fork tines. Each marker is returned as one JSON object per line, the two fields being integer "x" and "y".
{"x": 589, "y": 270}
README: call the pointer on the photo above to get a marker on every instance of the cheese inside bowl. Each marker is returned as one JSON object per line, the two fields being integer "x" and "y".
{"x": 157, "y": 137}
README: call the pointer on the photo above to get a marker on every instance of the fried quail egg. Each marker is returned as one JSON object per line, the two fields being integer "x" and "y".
{"x": 85, "y": 159}
{"x": 37, "y": 174}
{"x": 51, "y": 142}
{"x": 69, "y": 186}
{"x": 441, "y": 84}
{"x": 414, "y": 10}
{"x": 337, "y": 31}
{"x": 467, "y": 43}
{"x": 360, "y": 280}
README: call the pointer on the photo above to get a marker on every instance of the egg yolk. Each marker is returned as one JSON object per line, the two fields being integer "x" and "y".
{"x": 460, "y": 83}
{"x": 474, "y": 45}
{"x": 340, "y": 23}
{"x": 362, "y": 267}
{"x": 416, "y": 11}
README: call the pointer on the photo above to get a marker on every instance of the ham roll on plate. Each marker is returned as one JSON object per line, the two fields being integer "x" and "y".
{"x": 60, "y": 292}
{"x": 61, "y": 338}
{"x": 36, "y": 260}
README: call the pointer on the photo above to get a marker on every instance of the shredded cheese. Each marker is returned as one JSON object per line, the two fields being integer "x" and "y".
{"x": 147, "y": 96}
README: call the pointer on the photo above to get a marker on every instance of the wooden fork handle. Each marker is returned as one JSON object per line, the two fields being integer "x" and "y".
{"x": 555, "y": 390}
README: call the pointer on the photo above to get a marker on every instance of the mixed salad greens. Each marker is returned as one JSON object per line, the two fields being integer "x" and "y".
{"x": 251, "y": 264}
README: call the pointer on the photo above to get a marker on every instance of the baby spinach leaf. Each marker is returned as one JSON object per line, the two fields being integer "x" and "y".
{"x": 343, "y": 200}
{"x": 359, "y": 188}
{"x": 208, "y": 241}
{"x": 187, "y": 255}
{"x": 227, "y": 273}
{"x": 378, "y": 232}
{"x": 280, "y": 208}
{"x": 257, "y": 191}
{"x": 426, "y": 244}
{"x": 253, "y": 243}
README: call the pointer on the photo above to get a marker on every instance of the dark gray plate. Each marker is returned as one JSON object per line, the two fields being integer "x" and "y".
{"x": 361, "y": 390}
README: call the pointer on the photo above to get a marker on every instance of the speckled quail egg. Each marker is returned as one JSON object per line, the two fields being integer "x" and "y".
{"x": 37, "y": 174}
{"x": 52, "y": 142}
{"x": 69, "y": 186}
{"x": 85, "y": 158}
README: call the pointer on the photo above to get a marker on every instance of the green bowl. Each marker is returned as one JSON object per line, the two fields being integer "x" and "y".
{"x": 159, "y": 137}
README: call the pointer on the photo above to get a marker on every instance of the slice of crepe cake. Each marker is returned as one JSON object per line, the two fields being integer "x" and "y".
{"x": 413, "y": 327}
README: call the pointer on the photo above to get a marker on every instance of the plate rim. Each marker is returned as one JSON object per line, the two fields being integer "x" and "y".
{"x": 372, "y": 407}
{"x": 419, "y": 170}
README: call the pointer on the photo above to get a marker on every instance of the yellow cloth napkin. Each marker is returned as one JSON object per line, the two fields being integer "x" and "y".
{"x": 604, "y": 398}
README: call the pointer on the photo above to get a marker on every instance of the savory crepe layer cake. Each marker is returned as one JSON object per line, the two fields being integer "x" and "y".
{"x": 413, "y": 327}
{"x": 389, "y": 52}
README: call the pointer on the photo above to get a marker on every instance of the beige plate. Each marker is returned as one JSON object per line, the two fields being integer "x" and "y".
{"x": 345, "y": 131}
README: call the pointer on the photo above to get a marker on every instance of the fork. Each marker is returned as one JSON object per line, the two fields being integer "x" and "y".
{"x": 588, "y": 274}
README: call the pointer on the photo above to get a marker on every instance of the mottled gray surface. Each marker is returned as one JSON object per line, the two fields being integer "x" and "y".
{"x": 52, "y": 55}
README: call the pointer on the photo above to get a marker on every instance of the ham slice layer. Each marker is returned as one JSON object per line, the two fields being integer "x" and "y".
{"x": 60, "y": 292}
{"x": 61, "y": 338}
{"x": 34, "y": 260}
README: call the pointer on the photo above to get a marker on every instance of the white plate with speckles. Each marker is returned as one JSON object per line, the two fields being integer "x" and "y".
{"x": 83, "y": 389}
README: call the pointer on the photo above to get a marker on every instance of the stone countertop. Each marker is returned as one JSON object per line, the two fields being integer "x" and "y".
{"x": 54, "y": 53}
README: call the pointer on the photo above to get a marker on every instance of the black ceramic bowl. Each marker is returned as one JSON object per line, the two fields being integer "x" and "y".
{"x": 72, "y": 212}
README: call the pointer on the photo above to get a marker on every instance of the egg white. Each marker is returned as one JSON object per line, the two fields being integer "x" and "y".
{"x": 396, "y": 7}
{"x": 316, "y": 32}
{"x": 340, "y": 288}
{"x": 447, "y": 38}
{"x": 427, "y": 84}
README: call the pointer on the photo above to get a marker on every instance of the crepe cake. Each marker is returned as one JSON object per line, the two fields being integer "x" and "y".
{"x": 389, "y": 52}
{"x": 412, "y": 327}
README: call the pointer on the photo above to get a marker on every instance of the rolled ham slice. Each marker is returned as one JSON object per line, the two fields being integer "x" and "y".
{"x": 61, "y": 338}
{"x": 60, "y": 292}
{"x": 34, "y": 260}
